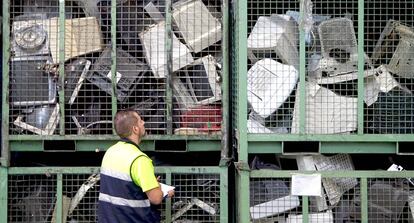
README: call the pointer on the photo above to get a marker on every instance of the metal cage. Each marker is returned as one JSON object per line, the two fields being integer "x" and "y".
{"x": 71, "y": 194}
{"x": 88, "y": 59}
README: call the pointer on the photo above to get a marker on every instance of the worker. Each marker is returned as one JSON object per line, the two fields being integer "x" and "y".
{"x": 129, "y": 190}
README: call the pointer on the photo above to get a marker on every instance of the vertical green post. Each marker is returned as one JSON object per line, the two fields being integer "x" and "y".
{"x": 62, "y": 66}
{"x": 113, "y": 60}
{"x": 3, "y": 193}
{"x": 225, "y": 74}
{"x": 364, "y": 200}
{"x": 361, "y": 62}
{"x": 243, "y": 199}
{"x": 168, "y": 80}
{"x": 224, "y": 194}
{"x": 59, "y": 201}
{"x": 5, "y": 150}
{"x": 302, "y": 72}
{"x": 168, "y": 203}
{"x": 305, "y": 209}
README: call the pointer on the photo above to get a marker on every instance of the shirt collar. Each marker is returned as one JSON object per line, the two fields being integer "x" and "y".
{"x": 129, "y": 141}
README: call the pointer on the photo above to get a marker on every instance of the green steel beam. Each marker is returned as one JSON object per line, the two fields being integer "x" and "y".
{"x": 242, "y": 196}
{"x": 329, "y": 147}
{"x": 168, "y": 81}
{"x": 302, "y": 73}
{"x": 225, "y": 75}
{"x": 333, "y": 174}
{"x": 89, "y": 170}
{"x": 112, "y": 137}
{"x": 361, "y": 61}
{"x": 224, "y": 194}
{"x": 168, "y": 210}
{"x": 364, "y": 200}
{"x": 61, "y": 71}
{"x": 114, "y": 102}
{"x": 59, "y": 201}
{"x": 102, "y": 145}
{"x": 243, "y": 199}
{"x": 3, "y": 193}
{"x": 5, "y": 151}
{"x": 305, "y": 209}
{"x": 331, "y": 138}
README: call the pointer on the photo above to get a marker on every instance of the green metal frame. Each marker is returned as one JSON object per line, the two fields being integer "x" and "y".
{"x": 101, "y": 142}
{"x": 60, "y": 171}
{"x": 329, "y": 143}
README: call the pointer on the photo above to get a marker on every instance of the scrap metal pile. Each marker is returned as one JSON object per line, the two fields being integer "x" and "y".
{"x": 147, "y": 63}
{"x": 331, "y": 76}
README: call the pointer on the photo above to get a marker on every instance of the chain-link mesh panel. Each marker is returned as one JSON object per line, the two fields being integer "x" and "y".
{"x": 389, "y": 39}
{"x": 273, "y": 62}
{"x": 168, "y": 65}
{"x": 31, "y": 198}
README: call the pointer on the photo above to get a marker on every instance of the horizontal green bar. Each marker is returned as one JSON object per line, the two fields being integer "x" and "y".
{"x": 331, "y": 138}
{"x": 89, "y": 170}
{"x": 329, "y": 147}
{"x": 26, "y": 146}
{"x": 102, "y": 145}
{"x": 331, "y": 174}
{"x": 113, "y": 137}
{"x": 265, "y": 147}
{"x": 52, "y": 170}
{"x": 359, "y": 147}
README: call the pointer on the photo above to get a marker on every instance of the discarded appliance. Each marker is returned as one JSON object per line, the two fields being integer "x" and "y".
{"x": 83, "y": 36}
{"x": 83, "y": 189}
{"x": 385, "y": 202}
{"x": 197, "y": 25}
{"x": 269, "y": 198}
{"x": 392, "y": 113}
{"x": 189, "y": 205}
{"x": 152, "y": 111}
{"x": 335, "y": 187}
{"x": 326, "y": 112}
{"x": 339, "y": 46}
{"x": 254, "y": 126}
{"x": 89, "y": 119}
{"x": 197, "y": 84}
{"x": 30, "y": 84}
{"x": 29, "y": 37}
{"x": 153, "y": 41}
{"x": 307, "y": 163}
{"x": 269, "y": 84}
{"x": 401, "y": 62}
{"x": 40, "y": 120}
{"x": 75, "y": 74}
{"x": 278, "y": 33}
{"x": 129, "y": 72}
{"x": 203, "y": 118}
{"x": 154, "y": 12}
{"x": 325, "y": 217}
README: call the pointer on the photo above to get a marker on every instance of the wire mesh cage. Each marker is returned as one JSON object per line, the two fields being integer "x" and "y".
{"x": 388, "y": 200}
{"x": 330, "y": 90}
{"x": 162, "y": 58}
{"x": 34, "y": 197}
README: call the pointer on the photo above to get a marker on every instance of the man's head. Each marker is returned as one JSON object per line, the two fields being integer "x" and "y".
{"x": 128, "y": 124}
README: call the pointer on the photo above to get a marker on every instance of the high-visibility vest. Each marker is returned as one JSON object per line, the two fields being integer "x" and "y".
{"x": 120, "y": 199}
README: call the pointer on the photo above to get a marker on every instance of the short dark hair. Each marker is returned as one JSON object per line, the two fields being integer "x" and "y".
{"x": 124, "y": 121}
